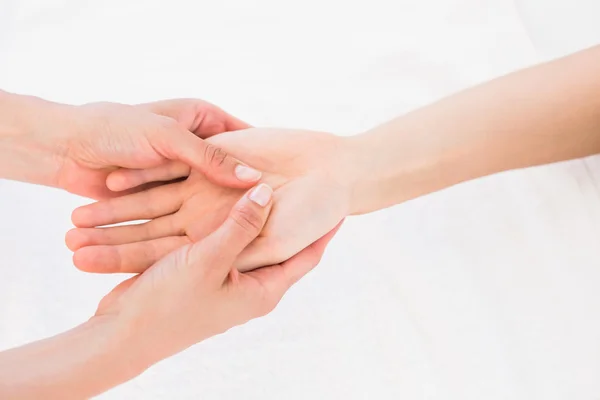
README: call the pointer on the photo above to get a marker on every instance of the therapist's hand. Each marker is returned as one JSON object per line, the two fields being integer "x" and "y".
{"x": 188, "y": 296}
{"x": 76, "y": 147}
{"x": 195, "y": 292}
{"x": 108, "y": 135}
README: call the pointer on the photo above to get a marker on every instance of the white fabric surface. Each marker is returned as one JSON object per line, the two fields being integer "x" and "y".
{"x": 484, "y": 291}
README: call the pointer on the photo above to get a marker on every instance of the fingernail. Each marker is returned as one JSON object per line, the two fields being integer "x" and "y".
{"x": 261, "y": 194}
{"x": 247, "y": 174}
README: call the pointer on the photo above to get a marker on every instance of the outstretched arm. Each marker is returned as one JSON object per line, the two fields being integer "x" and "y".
{"x": 540, "y": 115}
{"x": 76, "y": 364}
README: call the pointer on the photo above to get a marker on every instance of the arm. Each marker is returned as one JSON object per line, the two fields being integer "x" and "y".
{"x": 76, "y": 364}
{"x": 539, "y": 115}
{"x": 24, "y": 155}
{"x": 186, "y": 297}
{"x": 76, "y": 147}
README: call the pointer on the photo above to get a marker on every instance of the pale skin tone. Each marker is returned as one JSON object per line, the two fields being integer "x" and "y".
{"x": 188, "y": 296}
{"x": 75, "y": 148}
{"x": 52, "y": 144}
{"x": 539, "y": 115}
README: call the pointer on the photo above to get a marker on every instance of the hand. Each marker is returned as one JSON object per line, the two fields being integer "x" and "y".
{"x": 195, "y": 292}
{"x": 188, "y": 296}
{"x": 309, "y": 172}
{"x": 77, "y": 147}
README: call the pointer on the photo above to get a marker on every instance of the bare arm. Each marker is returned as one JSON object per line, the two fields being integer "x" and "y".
{"x": 539, "y": 115}
{"x": 543, "y": 114}
{"x": 76, "y": 147}
{"x": 186, "y": 297}
{"x": 73, "y": 365}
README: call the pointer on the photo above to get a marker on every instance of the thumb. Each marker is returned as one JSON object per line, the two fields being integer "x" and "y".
{"x": 244, "y": 223}
{"x": 202, "y": 118}
{"x": 218, "y": 166}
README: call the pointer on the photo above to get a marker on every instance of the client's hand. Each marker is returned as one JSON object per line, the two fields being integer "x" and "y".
{"x": 308, "y": 171}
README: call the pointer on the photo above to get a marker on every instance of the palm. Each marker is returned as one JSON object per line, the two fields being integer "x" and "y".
{"x": 308, "y": 203}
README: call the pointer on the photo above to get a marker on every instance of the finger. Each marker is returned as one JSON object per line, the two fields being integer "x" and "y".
{"x": 123, "y": 179}
{"x": 242, "y": 226}
{"x": 153, "y": 203}
{"x": 200, "y": 117}
{"x": 235, "y": 124}
{"x": 165, "y": 226}
{"x": 277, "y": 279}
{"x": 127, "y": 258}
{"x": 175, "y": 143}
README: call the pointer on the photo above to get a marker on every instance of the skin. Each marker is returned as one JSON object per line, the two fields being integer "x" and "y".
{"x": 309, "y": 201}
{"x": 76, "y": 148}
{"x": 188, "y": 296}
{"x": 539, "y": 115}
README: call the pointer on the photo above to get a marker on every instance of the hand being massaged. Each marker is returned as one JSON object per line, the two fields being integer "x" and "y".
{"x": 307, "y": 170}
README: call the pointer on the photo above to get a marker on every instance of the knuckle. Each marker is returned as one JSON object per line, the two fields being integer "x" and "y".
{"x": 247, "y": 219}
{"x": 214, "y": 156}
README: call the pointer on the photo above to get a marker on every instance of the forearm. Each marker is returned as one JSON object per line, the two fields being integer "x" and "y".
{"x": 27, "y": 152}
{"x": 540, "y": 115}
{"x": 77, "y": 364}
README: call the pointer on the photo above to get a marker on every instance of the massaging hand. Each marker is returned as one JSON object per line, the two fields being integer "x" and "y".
{"x": 188, "y": 296}
{"x": 307, "y": 170}
{"x": 195, "y": 292}
{"x": 88, "y": 142}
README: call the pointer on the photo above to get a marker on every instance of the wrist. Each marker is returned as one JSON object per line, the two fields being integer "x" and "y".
{"x": 391, "y": 164}
{"x": 29, "y": 151}
{"x": 79, "y": 363}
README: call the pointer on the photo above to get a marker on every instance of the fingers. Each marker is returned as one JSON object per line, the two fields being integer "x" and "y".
{"x": 176, "y": 141}
{"x": 204, "y": 120}
{"x": 200, "y": 117}
{"x": 242, "y": 226}
{"x": 153, "y": 203}
{"x": 123, "y": 179}
{"x": 179, "y": 144}
{"x": 157, "y": 228}
{"x": 127, "y": 258}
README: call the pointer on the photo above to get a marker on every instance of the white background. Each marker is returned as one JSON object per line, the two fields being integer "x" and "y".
{"x": 488, "y": 290}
